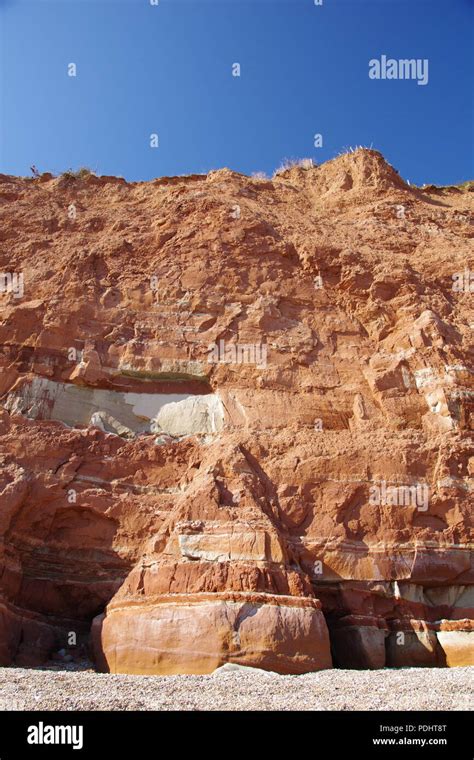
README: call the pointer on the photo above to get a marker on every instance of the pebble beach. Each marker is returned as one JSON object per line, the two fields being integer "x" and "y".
{"x": 237, "y": 688}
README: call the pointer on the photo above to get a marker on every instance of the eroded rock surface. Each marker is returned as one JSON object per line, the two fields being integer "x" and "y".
{"x": 236, "y": 420}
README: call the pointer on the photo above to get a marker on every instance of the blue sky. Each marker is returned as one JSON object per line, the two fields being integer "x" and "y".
{"x": 167, "y": 70}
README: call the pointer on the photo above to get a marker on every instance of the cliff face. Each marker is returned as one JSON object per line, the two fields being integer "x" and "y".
{"x": 236, "y": 420}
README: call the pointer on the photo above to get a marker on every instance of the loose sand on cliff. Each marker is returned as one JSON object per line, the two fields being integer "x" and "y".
{"x": 240, "y": 689}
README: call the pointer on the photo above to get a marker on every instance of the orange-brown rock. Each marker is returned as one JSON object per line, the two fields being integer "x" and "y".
{"x": 196, "y": 633}
{"x": 236, "y": 420}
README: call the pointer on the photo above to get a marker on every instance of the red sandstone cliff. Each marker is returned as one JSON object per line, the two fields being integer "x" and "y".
{"x": 236, "y": 420}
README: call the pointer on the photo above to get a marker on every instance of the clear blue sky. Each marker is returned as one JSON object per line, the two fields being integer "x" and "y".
{"x": 167, "y": 69}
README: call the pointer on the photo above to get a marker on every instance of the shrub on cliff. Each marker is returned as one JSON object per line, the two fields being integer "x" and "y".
{"x": 83, "y": 173}
{"x": 291, "y": 163}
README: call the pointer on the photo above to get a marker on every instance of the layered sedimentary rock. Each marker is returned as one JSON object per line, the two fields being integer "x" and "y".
{"x": 236, "y": 420}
